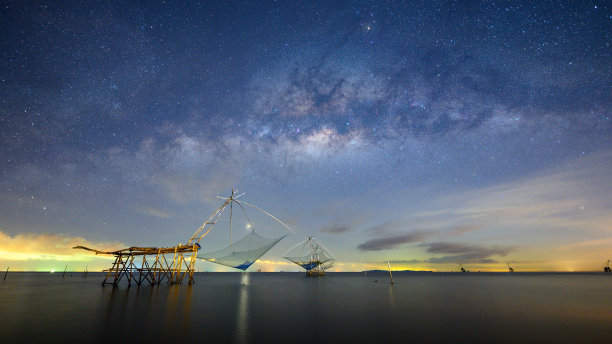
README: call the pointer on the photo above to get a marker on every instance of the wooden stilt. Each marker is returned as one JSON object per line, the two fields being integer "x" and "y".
{"x": 192, "y": 263}
{"x": 7, "y": 268}
{"x": 155, "y": 266}
{"x": 172, "y": 272}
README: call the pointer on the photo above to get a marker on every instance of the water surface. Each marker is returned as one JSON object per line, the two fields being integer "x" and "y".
{"x": 288, "y": 307}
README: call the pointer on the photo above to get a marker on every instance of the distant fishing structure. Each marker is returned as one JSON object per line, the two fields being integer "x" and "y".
{"x": 312, "y": 256}
{"x": 174, "y": 264}
{"x": 607, "y": 267}
{"x": 462, "y": 269}
{"x": 510, "y": 269}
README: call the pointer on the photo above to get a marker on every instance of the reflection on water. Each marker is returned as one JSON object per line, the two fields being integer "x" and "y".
{"x": 164, "y": 311}
{"x": 242, "y": 320}
{"x": 282, "y": 307}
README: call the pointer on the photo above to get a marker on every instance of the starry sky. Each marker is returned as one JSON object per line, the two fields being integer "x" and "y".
{"x": 425, "y": 133}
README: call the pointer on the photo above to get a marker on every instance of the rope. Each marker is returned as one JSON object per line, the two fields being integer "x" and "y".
{"x": 265, "y": 212}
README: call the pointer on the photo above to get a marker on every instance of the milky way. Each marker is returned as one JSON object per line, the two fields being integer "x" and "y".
{"x": 427, "y": 133}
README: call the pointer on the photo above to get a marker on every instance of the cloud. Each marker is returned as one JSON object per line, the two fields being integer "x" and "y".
{"x": 462, "y": 259}
{"x": 574, "y": 198}
{"x": 445, "y": 247}
{"x": 462, "y": 229}
{"x": 348, "y": 221}
{"x": 393, "y": 241}
{"x": 336, "y": 229}
{"x": 462, "y": 253}
{"x": 383, "y": 227}
{"x": 557, "y": 207}
{"x": 46, "y": 246}
{"x": 401, "y": 261}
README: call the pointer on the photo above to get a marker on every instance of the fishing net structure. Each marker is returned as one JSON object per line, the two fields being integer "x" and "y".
{"x": 157, "y": 265}
{"x": 310, "y": 255}
{"x": 243, "y": 253}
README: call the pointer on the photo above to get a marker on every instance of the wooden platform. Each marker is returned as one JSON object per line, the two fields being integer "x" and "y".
{"x": 165, "y": 264}
{"x": 315, "y": 273}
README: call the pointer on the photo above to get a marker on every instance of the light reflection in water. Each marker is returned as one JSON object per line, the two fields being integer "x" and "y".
{"x": 242, "y": 317}
{"x": 114, "y": 316}
{"x": 187, "y": 309}
{"x": 172, "y": 302}
{"x": 165, "y": 311}
{"x": 391, "y": 299}
{"x": 178, "y": 309}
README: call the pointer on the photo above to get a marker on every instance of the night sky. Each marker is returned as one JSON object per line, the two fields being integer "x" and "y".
{"x": 427, "y": 133}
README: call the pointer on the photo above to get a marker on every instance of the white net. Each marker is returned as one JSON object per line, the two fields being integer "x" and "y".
{"x": 309, "y": 254}
{"x": 243, "y": 253}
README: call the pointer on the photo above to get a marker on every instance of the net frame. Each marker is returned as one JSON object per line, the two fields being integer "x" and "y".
{"x": 310, "y": 254}
{"x": 243, "y": 253}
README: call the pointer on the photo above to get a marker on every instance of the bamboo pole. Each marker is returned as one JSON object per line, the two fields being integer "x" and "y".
{"x": 192, "y": 264}
{"x": 390, "y": 274}
{"x": 180, "y": 273}
{"x": 179, "y": 263}
{"x": 148, "y": 271}
{"x": 167, "y": 270}
{"x": 117, "y": 273}
{"x": 173, "y": 267}
{"x": 64, "y": 271}
{"x": 109, "y": 272}
{"x": 128, "y": 270}
{"x": 142, "y": 265}
{"x": 7, "y": 268}
{"x": 155, "y": 265}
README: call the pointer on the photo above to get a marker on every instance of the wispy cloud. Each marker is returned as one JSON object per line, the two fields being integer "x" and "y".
{"x": 574, "y": 199}
{"x": 348, "y": 221}
{"x": 393, "y": 241}
{"x": 532, "y": 210}
{"x": 462, "y": 253}
{"x": 462, "y": 229}
{"x": 401, "y": 261}
{"x": 336, "y": 228}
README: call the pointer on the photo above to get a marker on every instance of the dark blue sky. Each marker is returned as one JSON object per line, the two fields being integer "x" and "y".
{"x": 424, "y": 132}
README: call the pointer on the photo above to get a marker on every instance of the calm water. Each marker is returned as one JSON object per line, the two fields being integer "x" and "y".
{"x": 288, "y": 307}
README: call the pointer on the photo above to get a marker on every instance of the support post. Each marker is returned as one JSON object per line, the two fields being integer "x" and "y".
{"x": 192, "y": 264}
{"x": 155, "y": 266}
{"x": 173, "y": 267}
